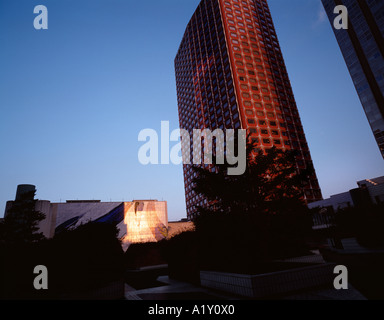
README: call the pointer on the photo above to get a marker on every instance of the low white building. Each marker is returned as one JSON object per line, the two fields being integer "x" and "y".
{"x": 138, "y": 221}
{"x": 374, "y": 188}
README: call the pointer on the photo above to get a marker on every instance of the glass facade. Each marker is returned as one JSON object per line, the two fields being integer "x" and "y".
{"x": 230, "y": 74}
{"x": 362, "y": 46}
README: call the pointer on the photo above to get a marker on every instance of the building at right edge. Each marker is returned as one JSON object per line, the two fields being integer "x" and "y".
{"x": 362, "y": 46}
{"x": 230, "y": 74}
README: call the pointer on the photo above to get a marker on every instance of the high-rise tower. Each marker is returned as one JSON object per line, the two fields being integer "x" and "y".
{"x": 230, "y": 74}
{"x": 362, "y": 46}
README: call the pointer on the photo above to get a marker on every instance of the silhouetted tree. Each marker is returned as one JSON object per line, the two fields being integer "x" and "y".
{"x": 270, "y": 184}
{"x": 21, "y": 224}
{"x": 86, "y": 257}
{"x": 79, "y": 261}
{"x": 261, "y": 213}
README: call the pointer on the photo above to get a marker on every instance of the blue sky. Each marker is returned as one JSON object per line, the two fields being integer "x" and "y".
{"x": 74, "y": 98}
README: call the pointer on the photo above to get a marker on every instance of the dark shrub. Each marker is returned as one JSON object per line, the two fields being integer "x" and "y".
{"x": 182, "y": 256}
{"x": 144, "y": 254}
{"x": 78, "y": 261}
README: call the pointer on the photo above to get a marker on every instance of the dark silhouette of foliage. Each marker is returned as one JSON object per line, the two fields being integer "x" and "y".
{"x": 87, "y": 257}
{"x": 270, "y": 184}
{"x": 145, "y": 254}
{"x": 78, "y": 262}
{"x": 21, "y": 224}
{"x": 182, "y": 256}
{"x": 258, "y": 215}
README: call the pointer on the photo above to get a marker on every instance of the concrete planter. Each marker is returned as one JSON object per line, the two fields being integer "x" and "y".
{"x": 269, "y": 284}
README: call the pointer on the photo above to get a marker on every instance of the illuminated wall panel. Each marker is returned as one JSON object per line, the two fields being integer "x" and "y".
{"x": 137, "y": 221}
{"x": 145, "y": 221}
